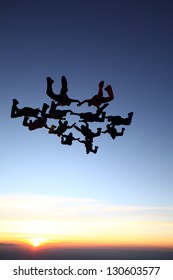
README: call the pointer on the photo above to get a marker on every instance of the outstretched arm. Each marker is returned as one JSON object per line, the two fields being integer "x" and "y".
{"x": 71, "y": 126}
{"x": 75, "y": 100}
{"x": 86, "y": 123}
{"x": 77, "y": 128}
{"x": 46, "y": 126}
{"x": 77, "y": 114}
{"x": 85, "y": 101}
{"x": 104, "y": 131}
{"x": 82, "y": 141}
{"x": 78, "y": 139}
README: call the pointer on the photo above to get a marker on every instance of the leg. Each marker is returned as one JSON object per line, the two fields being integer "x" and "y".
{"x": 130, "y": 115}
{"x": 127, "y": 121}
{"x": 98, "y": 133}
{"x": 100, "y": 92}
{"x": 15, "y": 110}
{"x": 25, "y": 121}
{"x": 64, "y": 88}
{"x": 120, "y": 133}
{"x": 89, "y": 148}
{"x": 49, "y": 91}
{"x": 95, "y": 150}
{"x": 110, "y": 93}
{"x": 63, "y": 140}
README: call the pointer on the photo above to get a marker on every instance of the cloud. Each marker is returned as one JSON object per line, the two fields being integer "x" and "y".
{"x": 8, "y": 245}
{"x": 51, "y": 207}
{"x": 74, "y": 219}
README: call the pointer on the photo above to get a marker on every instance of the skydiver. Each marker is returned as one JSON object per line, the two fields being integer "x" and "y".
{"x": 89, "y": 145}
{"x": 98, "y": 99}
{"x": 117, "y": 120}
{"x": 24, "y": 112}
{"x": 53, "y": 112}
{"x": 68, "y": 139}
{"x": 62, "y": 98}
{"x": 90, "y": 117}
{"x": 38, "y": 123}
{"x": 62, "y": 127}
{"x": 113, "y": 131}
{"x": 87, "y": 132}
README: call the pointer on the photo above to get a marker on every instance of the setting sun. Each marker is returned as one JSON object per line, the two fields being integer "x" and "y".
{"x": 36, "y": 242}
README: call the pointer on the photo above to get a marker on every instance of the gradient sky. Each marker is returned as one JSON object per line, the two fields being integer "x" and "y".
{"x": 123, "y": 194}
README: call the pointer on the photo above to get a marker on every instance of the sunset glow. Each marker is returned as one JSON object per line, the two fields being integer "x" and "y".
{"x": 71, "y": 222}
{"x": 37, "y": 241}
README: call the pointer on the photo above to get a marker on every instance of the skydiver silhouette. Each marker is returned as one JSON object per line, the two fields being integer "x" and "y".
{"x": 62, "y": 127}
{"x": 98, "y": 99}
{"x": 113, "y": 131}
{"x": 53, "y": 112}
{"x": 62, "y": 98}
{"x": 24, "y": 112}
{"x": 89, "y": 145}
{"x": 117, "y": 120}
{"x": 68, "y": 139}
{"x": 91, "y": 117}
{"x": 38, "y": 123}
{"x": 87, "y": 132}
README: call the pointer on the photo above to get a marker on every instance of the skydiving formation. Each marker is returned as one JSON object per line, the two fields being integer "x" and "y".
{"x": 35, "y": 118}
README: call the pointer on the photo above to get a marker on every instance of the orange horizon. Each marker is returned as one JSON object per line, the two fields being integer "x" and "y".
{"x": 69, "y": 222}
{"x": 45, "y": 242}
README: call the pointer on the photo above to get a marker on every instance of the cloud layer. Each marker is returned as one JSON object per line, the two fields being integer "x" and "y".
{"x": 82, "y": 220}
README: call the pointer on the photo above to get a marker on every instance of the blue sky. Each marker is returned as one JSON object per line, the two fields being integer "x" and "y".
{"x": 128, "y": 44}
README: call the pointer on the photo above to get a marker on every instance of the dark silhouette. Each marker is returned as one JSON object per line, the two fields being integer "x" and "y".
{"x": 91, "y": 117}
{"x": 36, "y": 118}
{"x": 98, "y": 99}
{"x": 68, "y": 139}
{"x": 53, "y": 112}
{"x": 113, "y": 131}
{"x": 87, "y": 132}
{"x": 24, "y": 112}
{"x": 117, "y": 120}
{"x": 89, "y": 145}
{"x": 62, "y": 98}
{"x": 62, "y": 127}
{"x": 38, "y": 123}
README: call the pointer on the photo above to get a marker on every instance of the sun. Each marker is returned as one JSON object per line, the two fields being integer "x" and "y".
{"x": 37, "y": 241}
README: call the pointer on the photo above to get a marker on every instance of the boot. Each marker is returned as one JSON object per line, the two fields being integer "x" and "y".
{"x": 15, "y": 102}
{"x": 101, "y": 84}
{"x": 49, "y": 80}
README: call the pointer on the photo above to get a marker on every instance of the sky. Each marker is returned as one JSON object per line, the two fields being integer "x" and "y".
{"x": 57, "y": 194}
